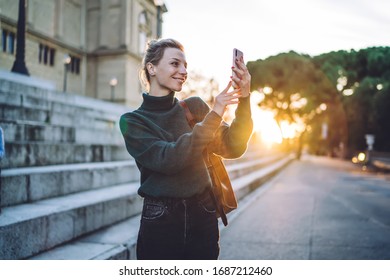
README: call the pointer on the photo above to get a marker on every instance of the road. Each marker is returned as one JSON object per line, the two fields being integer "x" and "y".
{"x": 317, "y": 208}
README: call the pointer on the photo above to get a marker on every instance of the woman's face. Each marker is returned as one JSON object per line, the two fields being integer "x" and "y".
{"x": 169, "y": 74}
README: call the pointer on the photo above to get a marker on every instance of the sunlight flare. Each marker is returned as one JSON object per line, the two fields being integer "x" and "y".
{"x": 264, "y": 122}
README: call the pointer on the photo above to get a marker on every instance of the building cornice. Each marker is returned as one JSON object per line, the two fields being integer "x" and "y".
{"x": 113, "y": 52}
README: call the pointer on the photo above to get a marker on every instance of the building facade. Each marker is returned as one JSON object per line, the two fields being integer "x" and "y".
{"x": 83, "y": 45}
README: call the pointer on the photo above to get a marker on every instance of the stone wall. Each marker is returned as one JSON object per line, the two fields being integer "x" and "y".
{"x": 104, "y": 35}
{"x": 45, "y": 127}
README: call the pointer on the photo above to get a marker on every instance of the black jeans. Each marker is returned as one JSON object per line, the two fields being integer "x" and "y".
{"x": 178, "y": 229}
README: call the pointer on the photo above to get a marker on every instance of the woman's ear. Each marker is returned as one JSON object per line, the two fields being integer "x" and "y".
{"x": 150, "y": 68}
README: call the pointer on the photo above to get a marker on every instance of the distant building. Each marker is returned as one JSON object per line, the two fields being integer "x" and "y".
{"x": 104, "y": 39}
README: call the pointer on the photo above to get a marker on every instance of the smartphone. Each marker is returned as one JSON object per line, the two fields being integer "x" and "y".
{"x": 237, "y": 54}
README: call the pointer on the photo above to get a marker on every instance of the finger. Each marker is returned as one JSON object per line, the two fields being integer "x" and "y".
{"x": 241, "y": 65}
{"x": 239, "y": 72}
{"x": 233, "y": 101}
{"x": 232, "y": 92}
{"x": 236, "y": 80}
{"x": 227, "y": 87}
{"x": 232, "y": 96}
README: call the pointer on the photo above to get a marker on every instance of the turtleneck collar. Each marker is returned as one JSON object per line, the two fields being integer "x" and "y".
{"x": 158, "y": 103}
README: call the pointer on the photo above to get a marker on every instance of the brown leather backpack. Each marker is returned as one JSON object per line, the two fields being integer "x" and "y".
{"x": 222, "y": 191}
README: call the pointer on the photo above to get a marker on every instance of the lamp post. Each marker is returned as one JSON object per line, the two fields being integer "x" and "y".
{"x": 67, "y": 60}
{"x": 2, "y": 154}
{"x": 161, "y": 8}
{"x": 19, "y": 63}
{"x": 113, "y": 83}
{"x": 370, "y": 140}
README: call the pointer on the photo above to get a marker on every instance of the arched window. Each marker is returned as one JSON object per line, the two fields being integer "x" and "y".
{"x": 144, "y": 31}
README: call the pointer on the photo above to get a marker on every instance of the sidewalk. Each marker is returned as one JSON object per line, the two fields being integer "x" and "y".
{"x": 317, "y": 208}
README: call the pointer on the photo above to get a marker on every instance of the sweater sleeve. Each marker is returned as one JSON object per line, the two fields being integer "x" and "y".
{"x": 151, "y": 151}
{"x": 231, "y": 141}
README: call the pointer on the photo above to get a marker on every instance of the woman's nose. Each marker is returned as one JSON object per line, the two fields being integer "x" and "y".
{"x": 183, "y": 70}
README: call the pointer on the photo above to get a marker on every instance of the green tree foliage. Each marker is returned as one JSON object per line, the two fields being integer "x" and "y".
{"x": 353, "y": 84}
{"x": 367, "y": 75}
{"x": 299, "y": 90}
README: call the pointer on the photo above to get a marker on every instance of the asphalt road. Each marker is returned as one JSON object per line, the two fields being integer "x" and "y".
{"x": 317, "y": 208}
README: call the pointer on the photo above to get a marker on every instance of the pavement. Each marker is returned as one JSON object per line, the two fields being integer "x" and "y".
{"x": 317, "y": 208}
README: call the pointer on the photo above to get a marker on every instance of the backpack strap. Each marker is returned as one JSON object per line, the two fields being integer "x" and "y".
{"x": 209, "y": 165}
{"x": 189, "y": 116}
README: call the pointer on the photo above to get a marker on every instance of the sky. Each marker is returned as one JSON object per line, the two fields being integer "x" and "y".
{"x": 210, "y": 29}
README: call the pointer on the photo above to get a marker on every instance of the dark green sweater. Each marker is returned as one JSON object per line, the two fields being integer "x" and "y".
{"x": 168, "y": 152}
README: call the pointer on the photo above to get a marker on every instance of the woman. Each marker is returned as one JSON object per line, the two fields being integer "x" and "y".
{"x": 179, "y": 218}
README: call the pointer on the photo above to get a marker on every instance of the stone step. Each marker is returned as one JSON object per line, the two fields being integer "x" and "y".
{"x": 119, "y": 240}
{"x": 21, "y": 95}
{"x": 11, "y": 113}
{"x": 28, "y": 131}
{"x": 116, "y": 242}
{"x": 246, "y": 184}
{"x": 26, "y": 185}
{"x": 34, "y": 132}
{"x": 24, "y": 154}
{"x": 249, "y": 164}
{"x": 35, "y": 227}
{"x": 29, "y": 229}
{"x": 35, "y": 114}
{"x": 30, "y": 184}
{"x": 78, "y": 117}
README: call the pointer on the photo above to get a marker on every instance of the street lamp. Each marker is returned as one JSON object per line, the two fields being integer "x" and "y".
{"x": 67, "y": 60}
{"x": 19, "y": 63}
{"x": 370, "y": 140}
{"x": 161, "y": 8}
{"x": 113, "y": 83}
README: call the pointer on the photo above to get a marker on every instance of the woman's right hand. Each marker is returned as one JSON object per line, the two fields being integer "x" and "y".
{"x": 226, "y": 98}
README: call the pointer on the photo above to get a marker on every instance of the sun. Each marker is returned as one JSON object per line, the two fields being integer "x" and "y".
{"x": 264, "y": 122}
{"x": 267, "y": 127}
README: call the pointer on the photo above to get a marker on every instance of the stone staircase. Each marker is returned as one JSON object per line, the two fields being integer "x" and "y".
{"x": 118, "y": 241}
{"x": 68, "y": 185}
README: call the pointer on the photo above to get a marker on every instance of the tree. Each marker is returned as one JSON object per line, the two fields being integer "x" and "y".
{"x": 199, "y": 85}
{"x": 295, "y": 89}
{"x": 362, "y": 78}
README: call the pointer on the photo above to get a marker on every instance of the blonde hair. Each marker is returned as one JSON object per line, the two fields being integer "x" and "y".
{"x": 153, "y": 54}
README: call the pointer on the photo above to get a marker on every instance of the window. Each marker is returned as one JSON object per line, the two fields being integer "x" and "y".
{"x": 8, "y": 41}
{"x": 4, "y": 40}
{"x": 144, "y": 32}
{"x": 11, "y": 42}
{"x": 40, "y": 53}
{"x": 46, "y": 55}
{"x": 74, "y": 66}
{"x": 52, "y": 56}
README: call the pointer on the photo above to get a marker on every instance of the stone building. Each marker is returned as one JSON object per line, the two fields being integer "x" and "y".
{"x": 104, "y": 39}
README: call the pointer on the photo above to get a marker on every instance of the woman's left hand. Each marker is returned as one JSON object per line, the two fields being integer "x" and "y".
{"x": 242, "y": 78}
